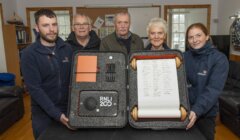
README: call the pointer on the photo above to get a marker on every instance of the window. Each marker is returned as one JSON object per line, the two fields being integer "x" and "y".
{"x": 178, "y": 27}
{"x": 179, "y": 17}
{"x": 64, "y": 24}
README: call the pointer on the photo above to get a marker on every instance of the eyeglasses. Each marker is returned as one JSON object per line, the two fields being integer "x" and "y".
{"x": 80, "y": 25}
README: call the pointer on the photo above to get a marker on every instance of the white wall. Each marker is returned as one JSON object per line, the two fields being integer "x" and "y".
{"x": 3, "y": 66}
{"x": 197, "y": 15}
{"x": 226, "y": 9}
{"x": 140, "y": 18}
{"x": 9, "y": 7}
{"x": 224, "y": 22}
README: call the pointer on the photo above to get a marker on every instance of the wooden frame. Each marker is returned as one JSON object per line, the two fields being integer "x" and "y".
{"x": 12, "y": 52}
{"x": 234, "y": 57}
{"x": 28, "y": 10}
{"x": 170, "y": 7}
{"x": 208, "y": 6}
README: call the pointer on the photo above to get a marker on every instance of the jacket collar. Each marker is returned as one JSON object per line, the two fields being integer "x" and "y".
{"x": 93, "y": 41}
{"x": 42, "y": 49}
{"x": 149, "y": 46}
{"x": 204, "y": 50}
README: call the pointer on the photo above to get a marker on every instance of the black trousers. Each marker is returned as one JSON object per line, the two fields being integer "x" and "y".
{"x": 207, "y": 126}
{"x": 40, "y": 122}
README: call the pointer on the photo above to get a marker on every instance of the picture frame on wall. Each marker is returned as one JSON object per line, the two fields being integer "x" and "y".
{"x": 109, "y": 20}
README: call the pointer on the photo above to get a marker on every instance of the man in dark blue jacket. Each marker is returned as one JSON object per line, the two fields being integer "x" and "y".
{"x": 83, "y": 37}
{"x": 207, "y": 71}
{"x": 46, "y": 68}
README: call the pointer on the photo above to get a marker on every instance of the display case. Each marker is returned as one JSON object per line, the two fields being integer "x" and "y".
{"x": 235, "y": 32}
{"x": 147, "y": 89}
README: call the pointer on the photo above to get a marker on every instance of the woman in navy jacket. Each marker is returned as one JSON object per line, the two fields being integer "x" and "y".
{"x": 206, "y": 70}
{"x": 157, "y": 33}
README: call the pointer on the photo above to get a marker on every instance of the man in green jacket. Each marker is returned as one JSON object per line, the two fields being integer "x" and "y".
{"x": 122, "y": 40}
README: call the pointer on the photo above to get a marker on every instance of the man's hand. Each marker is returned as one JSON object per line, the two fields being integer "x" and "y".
{"x": 192, "y": 118}
{"x": 64, "y": 120}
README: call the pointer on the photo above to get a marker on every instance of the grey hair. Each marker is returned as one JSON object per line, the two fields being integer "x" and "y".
{"x": 122, "y": 13}
{"x": 159, "y": 22}
{"x": 82, "y": 15}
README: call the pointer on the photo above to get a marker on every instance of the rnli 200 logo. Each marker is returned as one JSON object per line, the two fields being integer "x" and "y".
{"x": 105, "y": 101}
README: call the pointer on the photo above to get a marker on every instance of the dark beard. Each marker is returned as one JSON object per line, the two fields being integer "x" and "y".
{"x": 44, "y": 37}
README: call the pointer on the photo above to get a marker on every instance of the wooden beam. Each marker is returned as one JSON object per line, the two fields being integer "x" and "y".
{"x": 234, "y": 57}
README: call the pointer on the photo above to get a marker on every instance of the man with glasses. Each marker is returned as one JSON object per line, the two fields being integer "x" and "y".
{"x": 82, "y": 36}
{"x": 122, "y": 40}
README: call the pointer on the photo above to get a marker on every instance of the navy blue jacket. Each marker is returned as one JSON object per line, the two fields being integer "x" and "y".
{"x": 207, "y": 71}
{"x": 47, "y": 76}
{"x": 93, "y": 44}
{"x": 149, "y": 46}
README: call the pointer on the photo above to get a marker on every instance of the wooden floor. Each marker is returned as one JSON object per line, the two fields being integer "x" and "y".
{"x": 22, "y": 130}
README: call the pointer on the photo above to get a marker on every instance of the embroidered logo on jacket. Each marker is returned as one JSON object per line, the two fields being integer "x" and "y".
{"x": 203, "y": 73}
{"x": 65, "y": 60}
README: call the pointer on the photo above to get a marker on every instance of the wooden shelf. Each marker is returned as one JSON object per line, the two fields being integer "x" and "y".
{"x": 12, "y": 50}
{"x": 23, "y": 45}
{"x": 234, "y": 57}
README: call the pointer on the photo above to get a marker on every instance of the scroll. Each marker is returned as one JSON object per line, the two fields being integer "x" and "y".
{"x": 158, "y": 94}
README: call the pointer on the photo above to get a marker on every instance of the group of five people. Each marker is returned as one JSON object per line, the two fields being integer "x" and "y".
{"x": 46, "y": 65}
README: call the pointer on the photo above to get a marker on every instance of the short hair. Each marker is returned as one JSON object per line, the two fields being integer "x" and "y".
{"x": 159, "y": 22}
{"x": 199, "y": 26}
{"x": 122, "y": 13}
{"x": 44, "y": 12}
{"x": 82, "y": 15}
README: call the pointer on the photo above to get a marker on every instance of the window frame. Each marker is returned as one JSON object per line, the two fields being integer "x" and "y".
{"x": 171, "y": 7}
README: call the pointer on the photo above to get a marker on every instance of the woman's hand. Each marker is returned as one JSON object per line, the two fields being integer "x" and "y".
{"x": 64, "y": 120}
{"x": 192, "y": 118}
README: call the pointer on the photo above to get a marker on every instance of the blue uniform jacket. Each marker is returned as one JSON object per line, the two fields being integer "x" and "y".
{"x": 206, "y": 70}
{"x": 47, "y": 76}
